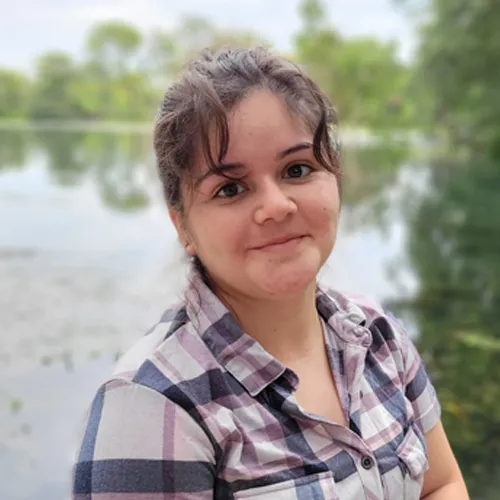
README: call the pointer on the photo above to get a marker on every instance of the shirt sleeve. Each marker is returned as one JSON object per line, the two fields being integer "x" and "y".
{"x": 418, "y": 386}
{"x": 137, "y": 444}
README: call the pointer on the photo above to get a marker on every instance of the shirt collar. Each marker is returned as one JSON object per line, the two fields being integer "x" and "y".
{"x": 346, "y": 319}
{"x": 239, "y": 353}
{"x": 244, "y": 357}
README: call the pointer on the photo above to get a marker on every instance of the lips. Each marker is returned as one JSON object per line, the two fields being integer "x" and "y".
{"x": 277, "y": 242}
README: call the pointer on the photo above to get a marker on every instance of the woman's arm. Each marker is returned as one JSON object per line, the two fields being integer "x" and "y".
{"x": 138, "y": 444}
{"x": 443, "y": 480}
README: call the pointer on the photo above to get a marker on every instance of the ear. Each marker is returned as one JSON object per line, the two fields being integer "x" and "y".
{"x": 179, "y": 222}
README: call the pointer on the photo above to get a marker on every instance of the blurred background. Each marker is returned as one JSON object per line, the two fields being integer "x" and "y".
{"x": 88, "y": 258}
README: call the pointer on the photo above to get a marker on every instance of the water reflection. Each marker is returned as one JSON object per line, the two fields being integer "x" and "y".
{"x": 13, "y": 149}
{"x": 113, "y": 161}
{"x": 88, "y": 260}
{"x": 454, "y": 248}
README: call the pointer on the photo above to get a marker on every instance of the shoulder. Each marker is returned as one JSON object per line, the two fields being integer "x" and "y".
{"x": 169, "y": 354}
{"x": 160, "y": 374}
{"x": 154, "y": 340}
{"x": 130, "y": 425}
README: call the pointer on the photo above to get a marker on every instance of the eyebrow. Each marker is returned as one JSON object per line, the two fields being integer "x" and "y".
{"x": 222, "y": 168}
{"x": 294, "y": 149}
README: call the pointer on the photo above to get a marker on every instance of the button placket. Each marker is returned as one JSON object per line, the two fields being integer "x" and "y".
{"x": 370, "y": 475}
{"x": 367, "y": 462}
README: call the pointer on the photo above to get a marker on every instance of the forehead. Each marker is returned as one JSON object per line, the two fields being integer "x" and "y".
{"x": 262, "y": 125}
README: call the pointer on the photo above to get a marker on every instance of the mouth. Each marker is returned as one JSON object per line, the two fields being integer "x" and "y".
{"x": 278, "y": 244}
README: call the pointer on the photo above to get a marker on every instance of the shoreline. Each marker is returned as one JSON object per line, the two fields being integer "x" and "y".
{"x": 348, "y": 135}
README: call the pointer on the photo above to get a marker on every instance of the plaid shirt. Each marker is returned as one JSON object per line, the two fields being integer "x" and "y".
{"x": 197, "y": 409}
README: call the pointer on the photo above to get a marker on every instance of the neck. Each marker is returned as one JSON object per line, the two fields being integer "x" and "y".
{"x": 290, "y": 329}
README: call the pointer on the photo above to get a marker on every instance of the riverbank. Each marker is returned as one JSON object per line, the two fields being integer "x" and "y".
{"x": 349, "y": 135}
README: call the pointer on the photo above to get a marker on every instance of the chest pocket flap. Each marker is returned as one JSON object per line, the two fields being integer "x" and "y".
{"x": 315, "y": 486}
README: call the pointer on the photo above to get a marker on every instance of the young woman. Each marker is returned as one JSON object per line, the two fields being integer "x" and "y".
{"x": 262, "y": 383}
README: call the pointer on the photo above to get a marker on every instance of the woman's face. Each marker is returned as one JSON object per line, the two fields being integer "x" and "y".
{"x": 266, "y": 232}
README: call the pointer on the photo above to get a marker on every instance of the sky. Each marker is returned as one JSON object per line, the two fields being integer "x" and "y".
{"x": 31, "y": 27}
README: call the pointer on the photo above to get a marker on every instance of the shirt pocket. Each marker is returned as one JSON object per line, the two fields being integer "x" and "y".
{"x": 413, "y": 455}
{"x": 317, "y": 486}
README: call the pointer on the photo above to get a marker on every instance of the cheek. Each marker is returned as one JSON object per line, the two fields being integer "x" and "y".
{"x": 324, "y": 208}
{"x": 326, "y": 221}
{"x": 216, "y": 232}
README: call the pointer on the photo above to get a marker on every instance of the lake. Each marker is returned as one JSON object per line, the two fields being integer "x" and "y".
{"x": 89, "y": 260}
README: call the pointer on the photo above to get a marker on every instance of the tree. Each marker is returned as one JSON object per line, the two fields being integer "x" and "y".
{"x": 316, "y": 46}
{"x": 313, "y": 14}
{"x": 54, "y": 94}
{"x": 458, "y": 61}
{"x": 113, "y": 47}
{"x": 14, "y": 94}
{"x": 161, "y": 57}
{"x": 362, "y": 77}
{"x": 114, "y": 85}
{"x": 370, "y": 83}
{"x": 169, "y": 51}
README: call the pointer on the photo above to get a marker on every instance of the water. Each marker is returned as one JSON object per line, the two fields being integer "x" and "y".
{"x": 89, "y": 260}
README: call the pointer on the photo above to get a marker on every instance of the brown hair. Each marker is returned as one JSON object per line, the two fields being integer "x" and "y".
{"x": 194, "y": 110}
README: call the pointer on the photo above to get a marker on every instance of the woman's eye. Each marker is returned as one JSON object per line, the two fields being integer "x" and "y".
{"x": 229, "y": 190}
{"x": 297, "y": 170}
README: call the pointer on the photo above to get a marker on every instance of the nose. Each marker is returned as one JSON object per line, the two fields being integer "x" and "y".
{"x": 273, "y": 204}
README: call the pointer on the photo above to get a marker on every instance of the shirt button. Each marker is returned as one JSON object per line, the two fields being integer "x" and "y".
{"x": 367, "y": 462}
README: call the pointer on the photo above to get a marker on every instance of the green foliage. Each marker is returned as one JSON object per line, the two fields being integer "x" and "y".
{"x": 14, "y": 146}
{"x": 363, "y": 77}
{"x": 112, "y": 85}
{"x": 112, "y": 46}
{"x": 458, "y": 61}
{"x": 54, "y": 95}
{"x": 123, "y": 73}
{"x": 169, "y": 51}
{"x": 455, "y": 231}
{"x": 65, "y": 163}
{"x": 454, "y": 244}
{"x": 14, "y": 94}
{"x": 313, "y": 14}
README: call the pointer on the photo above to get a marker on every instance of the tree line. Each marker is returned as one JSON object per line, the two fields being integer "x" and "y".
{"x": 123, "y": 72}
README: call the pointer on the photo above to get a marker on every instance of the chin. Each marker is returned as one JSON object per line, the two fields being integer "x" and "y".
{"x": 282, "y": 280}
